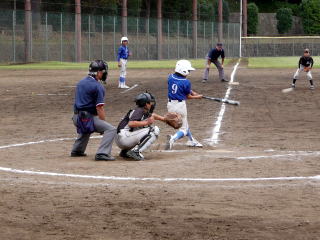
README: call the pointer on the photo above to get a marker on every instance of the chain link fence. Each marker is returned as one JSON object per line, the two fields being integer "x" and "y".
{"x": 53, "y": 37}
{"x": 279, "y": 46}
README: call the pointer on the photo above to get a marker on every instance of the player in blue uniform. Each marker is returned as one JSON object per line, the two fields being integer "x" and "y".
{"x": 123, "y": 55}
{"x": 179, "y": 90}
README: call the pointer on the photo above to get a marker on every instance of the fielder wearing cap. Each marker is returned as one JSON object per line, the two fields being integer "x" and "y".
{"x": 179, "y": 90}
{"x": 135, "y": 132}
{"x": 123, "y": 55}
{"x": 305, "y": 64}
{"x": 213, "y": 57}
{"x": 89, "y": 115}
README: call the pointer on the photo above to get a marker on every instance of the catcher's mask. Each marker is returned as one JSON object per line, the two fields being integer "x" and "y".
{"x": 96, "y": 66}
{"x": 144, "y": 98}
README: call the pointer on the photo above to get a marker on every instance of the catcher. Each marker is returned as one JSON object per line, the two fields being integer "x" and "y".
{"x": 305, "y": 64}
{"x": 135, "y": 132}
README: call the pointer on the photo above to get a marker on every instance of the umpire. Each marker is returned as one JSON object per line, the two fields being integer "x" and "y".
{"x": 212, "y": 57}
{"x": 89, "y": 114}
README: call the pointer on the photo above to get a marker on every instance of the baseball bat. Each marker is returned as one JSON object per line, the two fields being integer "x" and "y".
{"x": 223, "y": 100}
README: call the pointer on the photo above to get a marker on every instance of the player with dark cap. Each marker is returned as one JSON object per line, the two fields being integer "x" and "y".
{"x": 89, "y": 115}
{"x": 213, "y": 57}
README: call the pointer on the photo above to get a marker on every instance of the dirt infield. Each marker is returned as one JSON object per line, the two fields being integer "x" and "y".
{"x": 257, "y": 183}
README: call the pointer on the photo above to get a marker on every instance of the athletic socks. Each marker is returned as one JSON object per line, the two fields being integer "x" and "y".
{"x": 294, "y": 81}
{"x": 311, "y": 82}
{"x": 178, "y": 135}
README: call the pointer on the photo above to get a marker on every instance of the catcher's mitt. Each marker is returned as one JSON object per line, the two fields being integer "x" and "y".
{"x": 173, "y": 119}
{"x": 307, "y": 69}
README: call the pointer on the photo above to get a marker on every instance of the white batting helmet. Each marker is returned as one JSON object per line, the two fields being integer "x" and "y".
{"x": 184, "y": 67}
{"x": 124, "y": 39}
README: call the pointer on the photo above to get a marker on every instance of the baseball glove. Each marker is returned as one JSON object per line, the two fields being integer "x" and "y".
{"x": 307, "y": 69}
{"x": 173, "y": 119}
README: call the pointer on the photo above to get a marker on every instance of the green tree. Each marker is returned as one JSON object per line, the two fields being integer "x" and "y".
{"x": 253, "y": 18}
{"x": 310, "y": 14}
{"x": 284, "y": 17}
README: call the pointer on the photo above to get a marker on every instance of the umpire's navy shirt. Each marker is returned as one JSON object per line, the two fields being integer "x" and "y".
{"x": 214, "y": 54}
{"x": 89, "y": 94}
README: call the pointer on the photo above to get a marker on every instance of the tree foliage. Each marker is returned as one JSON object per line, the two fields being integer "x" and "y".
{"x": 253, "y": 19}
{"x": 284, "y": 17}
{"x": 310, "y": 14}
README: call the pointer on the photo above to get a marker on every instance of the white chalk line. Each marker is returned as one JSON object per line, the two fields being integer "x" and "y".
{"x": 295, "y": 154}
{"x": 129, "y": 89}
{"x": 52, "y": 94}
{"x": 155, "y": 179}
{"x": 216, "y": 130}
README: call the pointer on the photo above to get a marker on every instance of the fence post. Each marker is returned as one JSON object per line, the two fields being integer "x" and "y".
{"x": 31, "y": 42}
{"x": 89, "y": 33}
{"x": 168, "y": 39}
{"x": 14, "y": 35}
{"x": 46, "y": 29}
{"x": 187, "y": 39}
{"x": 137, "y": 44}
{"x": 114, "y": 36}
{"x": 148, "y": 40}
{"x": 101, "y": 36}
{"x": 228, "y": 38}
{"x": 178, "y": 42}
{"x": 292, "y": 47}
{"x": 61, "y": 46}
{"x": 204, "y": 37}
{"x": 233, "y": 40}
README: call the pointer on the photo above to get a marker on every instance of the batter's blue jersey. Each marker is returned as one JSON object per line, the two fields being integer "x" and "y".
{"x": 123, "y": 52}
{"x": 179, "y": 87}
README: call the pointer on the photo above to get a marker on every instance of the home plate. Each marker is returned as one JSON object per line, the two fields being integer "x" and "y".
{"x": 287, "y": 90}
{"x": 234, "y": 83}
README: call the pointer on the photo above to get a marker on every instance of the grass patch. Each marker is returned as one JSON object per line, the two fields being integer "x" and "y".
{"x": 152, "y": 64}
{"x": 278, "y": 62}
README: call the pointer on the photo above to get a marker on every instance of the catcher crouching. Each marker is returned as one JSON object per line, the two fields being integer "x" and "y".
{"x": 135, "y": 132}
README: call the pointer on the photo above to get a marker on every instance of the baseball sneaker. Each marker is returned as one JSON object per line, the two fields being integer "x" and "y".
{"x": 204, "y": 80}
{"x": 78, "y": 154}
{"x": 224, "y": 80}
{"x": 123, "y": 154}
{"x": 136, "y": 155}
{"x": 104, "y": 157}
{"x": 311, "y": 87}
{"x": 194, "y": 143}
{"x": 169, "y": 143}
{"x": 125, "y": 86}
{"x": 293, "y": 85}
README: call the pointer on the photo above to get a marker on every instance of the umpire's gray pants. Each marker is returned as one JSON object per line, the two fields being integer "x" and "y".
{"x": 102, "y": 127}
{"x": 219, "y": 67}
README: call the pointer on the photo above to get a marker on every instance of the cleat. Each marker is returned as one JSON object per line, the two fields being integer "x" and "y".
{"x": 125, "y": 86}
{"x": 204, "y": 80}
{"x": 136, "y": 155}
{"x": 194, "y": 143}
{"x": 312, "y": 87}
{"x": 123, "y": 154}
{"x": 224, "y": 80}
{"x": 78, "y": 154}
{"x": 293, "y": 85}
{"x": 169, "y": 143}
{"x": 104, "y": 157}
{"x": 119, "y": 86}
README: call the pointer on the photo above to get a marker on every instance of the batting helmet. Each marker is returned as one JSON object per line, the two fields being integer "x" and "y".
{"x": 96, "y": 66}
{"x": 124, "y": 39}
{"x": 184, "y": 67}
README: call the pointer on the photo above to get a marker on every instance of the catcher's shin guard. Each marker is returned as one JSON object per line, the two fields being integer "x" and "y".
{"x": 148, "y": 140}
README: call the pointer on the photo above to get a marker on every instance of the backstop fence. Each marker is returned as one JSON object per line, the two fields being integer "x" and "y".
{"x": 53, "y": 37}
{"x": 279, "y": 46}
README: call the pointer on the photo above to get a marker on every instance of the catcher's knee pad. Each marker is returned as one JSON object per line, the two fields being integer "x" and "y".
{"x": 155, "y": 130}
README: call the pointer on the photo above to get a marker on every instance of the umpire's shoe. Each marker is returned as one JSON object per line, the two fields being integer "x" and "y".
{"x": 104, "y": 157}
{"x": 78, "y": 154}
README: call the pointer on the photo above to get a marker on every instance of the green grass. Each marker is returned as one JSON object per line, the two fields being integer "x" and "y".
{"x": 278, "y": 62}
{"x": 152, "y": 64}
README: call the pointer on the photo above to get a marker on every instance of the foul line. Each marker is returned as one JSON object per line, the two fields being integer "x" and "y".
{"x": 296, "y": 154}
{"x": 154, "y": 179}
{"x": 216, "y": 130}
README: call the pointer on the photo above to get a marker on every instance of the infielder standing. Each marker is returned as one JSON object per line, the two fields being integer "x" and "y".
{"x": 212, "y": 57}
{"x": 89, "y": 115}
{"x": 123, "y": 54}
{"x": 305, "y": 64}
{"x": 135, "y": 131}
{"x": 179, "y": 90}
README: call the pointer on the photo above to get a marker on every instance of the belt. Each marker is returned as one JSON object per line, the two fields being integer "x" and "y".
{"x": 175, "y": 100}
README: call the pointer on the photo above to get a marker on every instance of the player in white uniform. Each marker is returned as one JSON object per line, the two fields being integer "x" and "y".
{"x": 179, "y": 90}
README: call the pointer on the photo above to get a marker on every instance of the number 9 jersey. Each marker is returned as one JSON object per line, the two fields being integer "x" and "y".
{"x": 179, "y": 87}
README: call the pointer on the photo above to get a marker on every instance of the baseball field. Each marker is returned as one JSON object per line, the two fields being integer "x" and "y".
{"x": 257, "y": 176}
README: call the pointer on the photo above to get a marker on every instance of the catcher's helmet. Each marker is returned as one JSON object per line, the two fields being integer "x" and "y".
{"x": 98, "y": 65}
{"x": 184, "y": 67}
{"x": 124, "y": 39}
{"x": 143, "y": 98}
